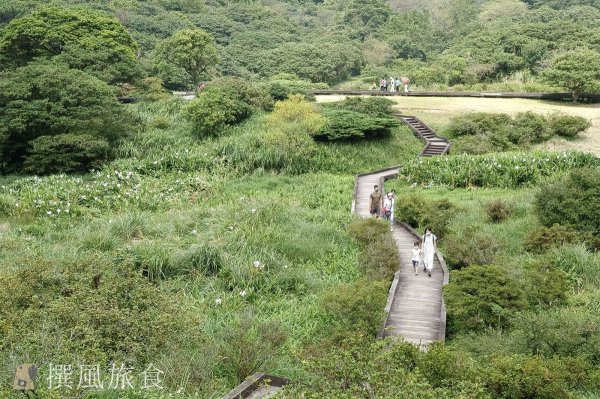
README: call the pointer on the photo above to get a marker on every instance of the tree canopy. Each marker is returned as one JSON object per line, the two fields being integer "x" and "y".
{"x": 83, "y": 39}
{"x": 186, "y": 57}
{"x": 49, "y": 100}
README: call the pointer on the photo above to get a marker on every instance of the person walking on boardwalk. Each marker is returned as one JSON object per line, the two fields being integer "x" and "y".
{"x": 416, "y": 257}
{"x": 375, "y": 198}
{"x": 387, "y": 206}
{"x": 428, "y": 248}
{"x": 393, "y": 194}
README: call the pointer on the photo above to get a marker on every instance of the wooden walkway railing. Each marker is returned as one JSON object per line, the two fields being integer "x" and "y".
{"x": 584, "y": 97}
{"x": 415, "y": 307}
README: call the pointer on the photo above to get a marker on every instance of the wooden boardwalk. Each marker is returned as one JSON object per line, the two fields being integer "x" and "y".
{"x": 415, "y": 309}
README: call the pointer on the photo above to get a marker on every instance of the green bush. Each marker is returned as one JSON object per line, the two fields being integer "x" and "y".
{"x": 213, "y": 111}
{"x": 374, "y": 106}
{"x": 479, "y": 133}
{"x": 544, "y": 238}
{"x": 497, "y": 211}
{"x": 65, "y": 153}
{"x": 471, "y": 247}
{"x": 572, "y": 201}
{"x": 481, "y": 297}
{"x": 419, "y": 212}
{"x": 72, "y": 113}
{"x": 379, "y": 254}
{"x": 288, "y": 149}
{"x": 545, "y": 284}
{"x": 93, "y": 312}
{"x": 529, "y": 127}
{"x": 346, "y": 124}
{"x": 561, "y": 331}
{"x": 477, "y": 123}
{"x": 518, "y": 376}
{"x": 568, "y": 125}
{"x": 357, "y": 306}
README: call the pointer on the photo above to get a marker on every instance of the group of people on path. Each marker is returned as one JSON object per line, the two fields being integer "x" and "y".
{"x": 423, "y": 251}
{"x": 382, "y": 205}
{"x": 393, "y": 84}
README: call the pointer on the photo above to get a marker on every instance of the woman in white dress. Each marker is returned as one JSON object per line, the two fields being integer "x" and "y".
{"x": 428, "y": 248}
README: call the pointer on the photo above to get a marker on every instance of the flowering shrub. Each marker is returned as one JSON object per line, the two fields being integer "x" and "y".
{"x": 507, "y": 170}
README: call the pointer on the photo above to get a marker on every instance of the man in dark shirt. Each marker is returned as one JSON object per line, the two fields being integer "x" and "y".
{"x": 375, "y": 201}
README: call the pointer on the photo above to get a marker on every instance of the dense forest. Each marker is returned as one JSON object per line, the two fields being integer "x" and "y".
{"x": 446, "y": 43}
{"x": 212, "y": 238}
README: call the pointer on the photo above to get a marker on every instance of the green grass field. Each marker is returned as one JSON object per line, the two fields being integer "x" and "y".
{"x": 175, "y": 256}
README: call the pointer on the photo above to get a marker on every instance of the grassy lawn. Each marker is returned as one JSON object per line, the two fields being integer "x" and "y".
{"x": 437, "y": 112}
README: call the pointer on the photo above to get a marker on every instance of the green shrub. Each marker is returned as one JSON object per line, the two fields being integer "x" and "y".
{"x": 544, "y": 238}
{"x": 477, "y": 123}
{"x": 92, "y": 311}
{"x": 419, "y": 212}
{"x": 69, "y": 116}
{"x": 296, "y": 110}
{"x": 374, "y": 106}
{"x": 65, "y": 153}
{"x": 471, "y": 247}
{"x": 368, "y": 231}
{"x": 568, "y": 125}
{"x": 506, "y": 170}
{"x": 445, "y": 367}
{"x": 379, "y": 254}
{"x": 357, "y": 306}
{"x": 497, "y": 211}
{"x": 545, "y": 284}
{"x": 559, "y": 332}
{"x": 481, "y": 297}
{"x": 212, "y": 111}
{"x": 345, "y": 125}
{"x": 572, "y": 201}
{"x": 529, "y": 127}
{"x": 518, "y": 376}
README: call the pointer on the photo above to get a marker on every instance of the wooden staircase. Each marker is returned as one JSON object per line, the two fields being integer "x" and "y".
{"x": 434, "y": 145}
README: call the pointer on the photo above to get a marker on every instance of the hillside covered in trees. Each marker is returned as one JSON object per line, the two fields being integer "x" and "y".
{"x": 454, "y": 42}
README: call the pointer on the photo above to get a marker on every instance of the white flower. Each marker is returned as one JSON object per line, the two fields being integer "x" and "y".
{"x": 109, "y": 221}
{"x": 253, "y": 210}
{"x": 58, "y": 211}
{"x": 285, "y": 266}
{"x": 66, "y": 211}
{"x": 243, "y": 293}
{"x": 49, "y": 213}
{"x": 17, "y": 205}
{"x": 256, "y": 263}
{"x": 218, "y": 301}
{"x": 230, "y": 227}
{"x": 194, "y": 232}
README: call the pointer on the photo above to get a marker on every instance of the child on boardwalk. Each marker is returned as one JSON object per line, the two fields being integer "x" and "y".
{"x": 416, "y": 257}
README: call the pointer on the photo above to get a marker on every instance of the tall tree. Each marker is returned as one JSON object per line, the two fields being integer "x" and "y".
{"x": 83, "y": 39}
{"x": 577, "y": 71}
{"x": 52, "y": 101}
{"x": 186, "y": 57}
